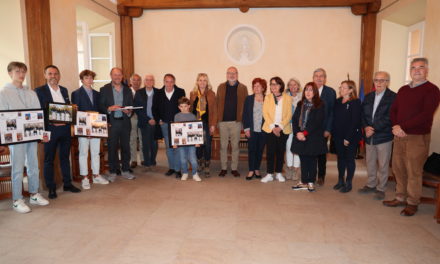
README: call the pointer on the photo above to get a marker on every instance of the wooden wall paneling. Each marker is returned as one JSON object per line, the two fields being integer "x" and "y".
{"x": 127, "y": 47}
{"x": 368, "y": 41}
{"x": 39, "y": 39}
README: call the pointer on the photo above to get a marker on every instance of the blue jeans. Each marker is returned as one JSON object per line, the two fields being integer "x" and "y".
{"x": 20, "y": 153}
{"x": 204, "y": 151}
{"x": 172, "y": 154}
{"x": 188, "y": 154}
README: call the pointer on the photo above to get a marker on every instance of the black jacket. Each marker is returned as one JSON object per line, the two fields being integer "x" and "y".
{"x": 248, "y": 113}
{"x": 381, "y": 122}
{"x": 347, "y": 121}
{"x": 45, "y": 98}
{"x": 106, "y": 99}
{"x": 165, "y": 109}
{"x": 141, "y": 99}
{"x": 82, "y": 100}
{"x": 315, "y": 143}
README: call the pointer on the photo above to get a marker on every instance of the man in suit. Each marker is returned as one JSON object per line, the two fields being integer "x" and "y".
{"x": 378, "y": 134}
{"x": 146, "y": 123}
{"x": 114, "y": 96}
{"x": 51, "y": 92}
{"x": 229, "y": 118}
{"x": 87, "y": 99}
{"x": 165, "y": 107}
{"x": 135, "y": 136}
{"x": 328, "y": 95}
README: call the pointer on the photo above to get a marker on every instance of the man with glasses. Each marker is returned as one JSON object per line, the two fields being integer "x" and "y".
{"x": 412, "y": 114}
{"x": 234, "y": 93}
{"x": 378, "y": 134}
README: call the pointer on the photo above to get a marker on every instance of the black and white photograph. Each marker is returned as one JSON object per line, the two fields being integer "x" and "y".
{"x": 60, "y": 113}
{"x": 187, "y": 133}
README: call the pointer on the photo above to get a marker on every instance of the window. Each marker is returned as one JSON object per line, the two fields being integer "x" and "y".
{"x": 101, "y": 59}
{"x": 415, "y": 45}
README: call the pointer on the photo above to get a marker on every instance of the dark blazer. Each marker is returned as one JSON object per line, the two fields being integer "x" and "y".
{"x": 106, "y": 99}
{"x": 45, "y": 97}
{"x": 141, "y": 99}
{"x": 164, "y": 109}
{"x": 248, "y": 113}
{"x": 347, "y": 121}
{"x": 382, "y": 122}
{"x": 328, "y": 95}
{"x": 315, "y": 143}
{"x": 82, "y": 100}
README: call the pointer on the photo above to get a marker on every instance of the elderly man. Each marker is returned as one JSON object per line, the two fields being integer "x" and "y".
{"x": 146, "y": 123}
{"x": 234, "y": 93}
{"x": 52, "y": 92}
{"x": 135, "y": 135}
{"x": 328, "y": 95}
{"x": 114, "y": 97}
{"x": 165, "y": 107}
{"x": 378, "y": 134}
{"x": 412, "y": 115}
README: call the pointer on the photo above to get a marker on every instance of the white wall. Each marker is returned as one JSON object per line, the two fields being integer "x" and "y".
{"x": 393, "y": 50}
{"x": 431, "y": 49}
{"x": 11, "y": 35}
{"x": 298, "y": 40}
{"x": 63, "y": 26}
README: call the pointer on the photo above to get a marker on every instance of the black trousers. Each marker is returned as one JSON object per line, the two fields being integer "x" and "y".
{"x": 276, "y": 147}
{"x": 322, "y": 164}
{"x": 149, "y": 145}
{"x": 119, "y": 136}
{"x": 59, "y": 139}
{"x": 346, "y": 160}
{"x": 256, "y": 144}
{"x": 308, "y": 168}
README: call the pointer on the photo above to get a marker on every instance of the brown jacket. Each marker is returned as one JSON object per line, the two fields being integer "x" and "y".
{"x": 212, "y": 106}
{"x": 242, "y": 93}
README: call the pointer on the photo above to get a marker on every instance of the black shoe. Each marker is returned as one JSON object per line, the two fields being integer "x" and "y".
{"x": 257, "y": 176}
{"x": 235, "y": 173}
{"x": 71, "y": 188}
{"x": 130, "y": 170}
{"x": 222, "y": 173}
{"x": 118, "y": 172}
{"x": 345, "y": 189}
{"x": 52, "y": 193}
{"x": 170, "y": 172}
{"x": 248, "y": 178}
{"x": 338, "y": 186}
{"x": 178, "y": 175}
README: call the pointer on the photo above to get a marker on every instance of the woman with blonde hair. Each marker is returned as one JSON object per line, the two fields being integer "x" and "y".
{"x": 204, "y": 107}
{"x": 292, "y": 160}
{"x": 346, "y": 133}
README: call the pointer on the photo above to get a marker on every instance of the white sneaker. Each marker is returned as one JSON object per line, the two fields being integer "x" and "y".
{"x": 85, "y": 183}
{"x": 38, "y": 199}
{"x": 196, "y": 177}
{"x": 280, "y": 177}
{"x": 300, "y": 186}
{"x": 99, "y": 180}
{"x": 311, "y": 187}
{"x": 20, "y": 207}
{"x": 111, "y": 177}
{"x": 184, "y": 177}
{"x": 267, "y": 178}
{"x": 127, "y": 175}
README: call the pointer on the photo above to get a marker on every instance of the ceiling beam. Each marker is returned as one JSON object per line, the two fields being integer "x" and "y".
{"x": 136, "y": 6}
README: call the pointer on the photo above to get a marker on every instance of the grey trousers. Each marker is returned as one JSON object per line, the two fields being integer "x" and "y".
{"x": 229, "y": 131}
{"x": 378, "y": 163}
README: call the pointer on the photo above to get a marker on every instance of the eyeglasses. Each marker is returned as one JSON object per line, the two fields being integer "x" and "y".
{"x": 380, "y": 80}
{"x": 273, "y": 84}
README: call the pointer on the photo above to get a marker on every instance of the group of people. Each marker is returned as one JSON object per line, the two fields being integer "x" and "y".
{"x": 293, "y": 123}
